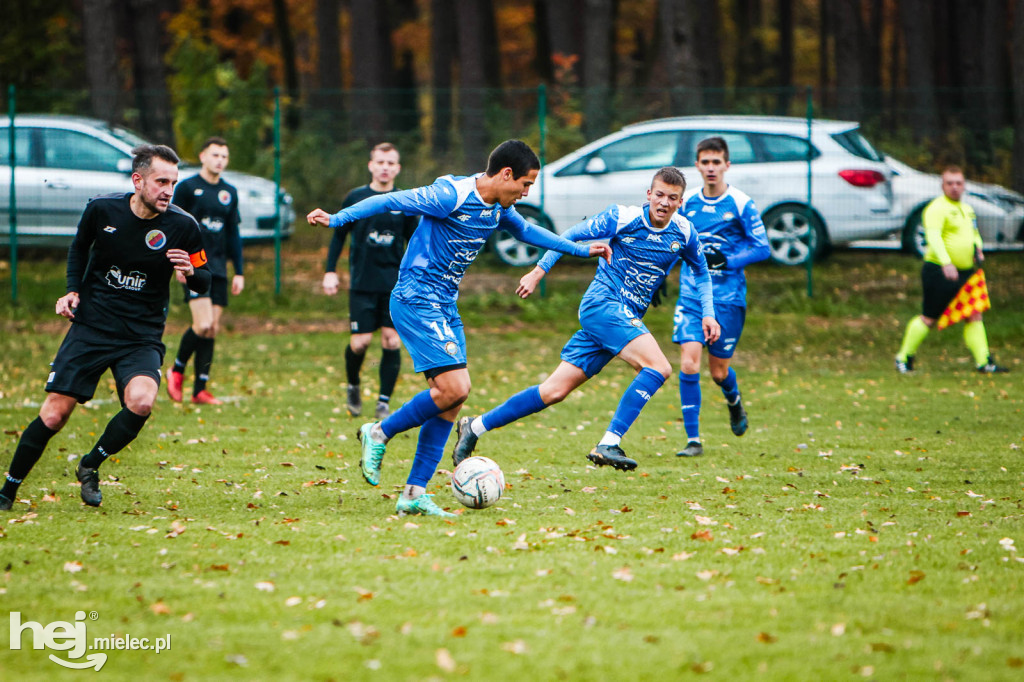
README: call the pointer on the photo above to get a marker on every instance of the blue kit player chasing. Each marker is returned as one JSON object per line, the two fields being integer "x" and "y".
{"x": 458, "y": 214}
{"x": 646, "y": 243}
{"x": 732, "y": 236}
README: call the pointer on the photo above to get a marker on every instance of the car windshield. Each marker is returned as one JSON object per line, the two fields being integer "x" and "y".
{"x": 855, "y": 143}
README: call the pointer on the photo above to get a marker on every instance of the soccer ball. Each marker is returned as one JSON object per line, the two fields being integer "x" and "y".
{"x": 478, "y": 482}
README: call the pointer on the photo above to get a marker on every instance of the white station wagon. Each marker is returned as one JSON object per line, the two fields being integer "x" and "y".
{"x": 850, "y": 187}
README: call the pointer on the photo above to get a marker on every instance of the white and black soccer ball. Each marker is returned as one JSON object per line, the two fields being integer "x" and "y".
{"x": 478, "y": 482}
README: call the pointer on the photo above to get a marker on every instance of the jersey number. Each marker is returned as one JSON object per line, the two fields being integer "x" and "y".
{"x": 444, "y": 331}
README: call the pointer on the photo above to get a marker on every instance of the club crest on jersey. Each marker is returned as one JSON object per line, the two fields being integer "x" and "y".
{"x": 156, "y": 240}
{"x": 224, "y": 197}
{"x": 451, "y": 348}
{"x": 136, "y": 281}
{"x": 674, "y": 246}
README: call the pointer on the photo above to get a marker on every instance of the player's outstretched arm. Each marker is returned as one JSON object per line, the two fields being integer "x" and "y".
{"x": 320, "y": 217}
{"x": 529, "y": 282}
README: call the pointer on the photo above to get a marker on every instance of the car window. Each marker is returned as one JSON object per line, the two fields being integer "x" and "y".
{"x": 76, "y": 151}
{"x": 21, "y": 146}
{"x": 639, "y": 152}
{"x": 740, "y": 148}
{"x": 777, "y": 148}
{"x": 855, "y": 143}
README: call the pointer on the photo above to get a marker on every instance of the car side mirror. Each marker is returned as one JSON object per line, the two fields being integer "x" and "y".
{"x": 124, "y": 165}
{"x": 596, "y": 166}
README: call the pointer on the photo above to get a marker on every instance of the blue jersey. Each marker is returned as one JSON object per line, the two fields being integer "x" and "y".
{"x": 731, "y": 224}
{"x": 455, "y": 226}
{"x": 642, "y": 257}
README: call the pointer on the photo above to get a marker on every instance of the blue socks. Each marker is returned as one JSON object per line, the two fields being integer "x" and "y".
{"x": 429, "y": 450}
{"x": 730, "y": 388}
{"x": 522, "y": 404}
{"x": 414, "y": 413}
{"x": 642, "y": 389}
{"x": 689, "y": 398}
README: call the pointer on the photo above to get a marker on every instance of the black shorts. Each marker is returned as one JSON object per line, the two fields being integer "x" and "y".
{"x": 369, "y": 311}
{"x": 218, "y": 293}
{"x": 86, "y": 353}
{"x": 939, "y": 291}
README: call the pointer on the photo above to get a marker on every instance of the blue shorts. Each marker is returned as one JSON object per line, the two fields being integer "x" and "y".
{"x": 431, "y": 332}
{"x": 687, "y": 327}
{"x": 607, "y": 328}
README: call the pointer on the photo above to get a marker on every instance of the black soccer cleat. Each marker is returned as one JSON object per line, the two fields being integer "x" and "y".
{"x": 692, "y": 449}
{"x": 738, "y": 418}
{"x": 6, "y": 503}
{"x": 90, "y": 479}
{"x": 613, "y": 456}
{"x": 354, "y": 403}
{"x": 905, "y": 366}
{"x": 465, "y": 441}
{"x": 991, "y": 367}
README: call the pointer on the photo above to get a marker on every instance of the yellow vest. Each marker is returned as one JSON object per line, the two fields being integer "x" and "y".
{"x": 951, "y": 233}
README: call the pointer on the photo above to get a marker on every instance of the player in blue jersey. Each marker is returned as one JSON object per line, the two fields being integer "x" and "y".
{"x": 732, "y": 236}
{"x": 458, "y": 216}
{"x": 646, "y": 241}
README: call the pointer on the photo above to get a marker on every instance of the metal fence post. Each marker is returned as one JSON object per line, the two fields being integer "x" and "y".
{"x": 810, "y": 224}
{"x": 277, "y": 191}
{"x": 13, "y": 206}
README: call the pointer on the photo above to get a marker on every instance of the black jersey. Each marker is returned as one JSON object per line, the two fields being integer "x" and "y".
{"x": 118, "y": 264}
{"x": 378, "y": 243}
{"x": 215, "y": 208}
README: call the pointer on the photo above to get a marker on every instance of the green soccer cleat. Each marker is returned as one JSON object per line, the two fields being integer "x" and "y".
{"x": 613, "y": 456}
{"x": 738, "y": 418}
{"x": 422, "y": 506}
{"x": 373, "y": 454}
{"x": 465, "y": 441}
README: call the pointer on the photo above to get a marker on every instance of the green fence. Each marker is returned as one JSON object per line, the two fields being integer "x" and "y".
{"x": 813, "y": 196}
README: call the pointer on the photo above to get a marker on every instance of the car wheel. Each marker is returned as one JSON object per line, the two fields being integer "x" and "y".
{"x": 795, "y": 234}
{"x": 913, "y": 233}
{"x": 513, "y": 252}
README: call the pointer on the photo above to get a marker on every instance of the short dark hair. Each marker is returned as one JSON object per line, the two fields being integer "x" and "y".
{"x": 514, "y": 154}
{"x": 143, "y": 155}
{"x": 954, "y": 169}
{"x": 670, "y": 175}
{"x": 383, "y": 147}
{"x": 219, "y": 141}
{"x": 713, "y": 144}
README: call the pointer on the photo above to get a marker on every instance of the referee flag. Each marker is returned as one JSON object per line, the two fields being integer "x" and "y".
{"x": 972, "y": 298}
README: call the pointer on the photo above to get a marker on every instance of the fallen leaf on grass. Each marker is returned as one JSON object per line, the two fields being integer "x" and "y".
{"x": 707, "y": 575}
{"x": 293, "y": 601}
{"x": 766, "y": 638}
{"x": 702, "y": 534}
{"x": 177, "y": 528}
{"x": 364, "y": 594}
{"x": 459, "y": 631}
{"x": 682, "y": 556}
{"x": 73, "y": 566}
{"x": 159, "y": 608}
{"x": 624, "y": 574}
{"x": 705, "y": 520}
{"x": 444, "y": 660}
{"x": 265, "y": 586}
{"x": 517, "y": 647}
{"x": 915, "y": 577}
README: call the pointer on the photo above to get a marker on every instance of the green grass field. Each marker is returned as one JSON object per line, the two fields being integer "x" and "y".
{"x": 865, "y": 527}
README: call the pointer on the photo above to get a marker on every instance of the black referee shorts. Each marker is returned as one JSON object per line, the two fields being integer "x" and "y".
{"x": 218, "y": 293}
{"x": 369, "y": 311}
{"x": 939, "y": 291}
{"x": 86, "y": 353}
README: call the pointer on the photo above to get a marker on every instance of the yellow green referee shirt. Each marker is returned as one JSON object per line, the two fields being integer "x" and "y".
{"x": 951, "y": 233}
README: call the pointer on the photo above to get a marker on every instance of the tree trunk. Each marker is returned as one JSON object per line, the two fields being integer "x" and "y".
{"x": 749, "y": 51}
{"x": 371, "y": 70}
{"x": 598, "y": 42}
{"x": 328, "y": 101}
{"x": 785, "y": 57}
{"x": 825, "y": 39}
{"x": 1017, "y": 41}
{"x": 154, "y": 100}
{"x": 849, "y": 53}
{"x": 288, "y": 62}
{"x": 471, "y": 19}
{"x": 99, "y": 31}
{"x": 916, "y": 25}
{"x": 871, "y": 74}
{"x": 707, "y": 23}
{"x": 678, "y": 58}
{"x": 442, "y": 55}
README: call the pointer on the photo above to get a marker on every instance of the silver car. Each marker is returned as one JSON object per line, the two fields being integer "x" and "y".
{"x": 63, "y": 161}
{"x": 850, "y": 185}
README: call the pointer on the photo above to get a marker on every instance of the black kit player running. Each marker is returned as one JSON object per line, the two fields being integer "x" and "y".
{"x": 375, "y": 253}
{"x": 118, "y": 271}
